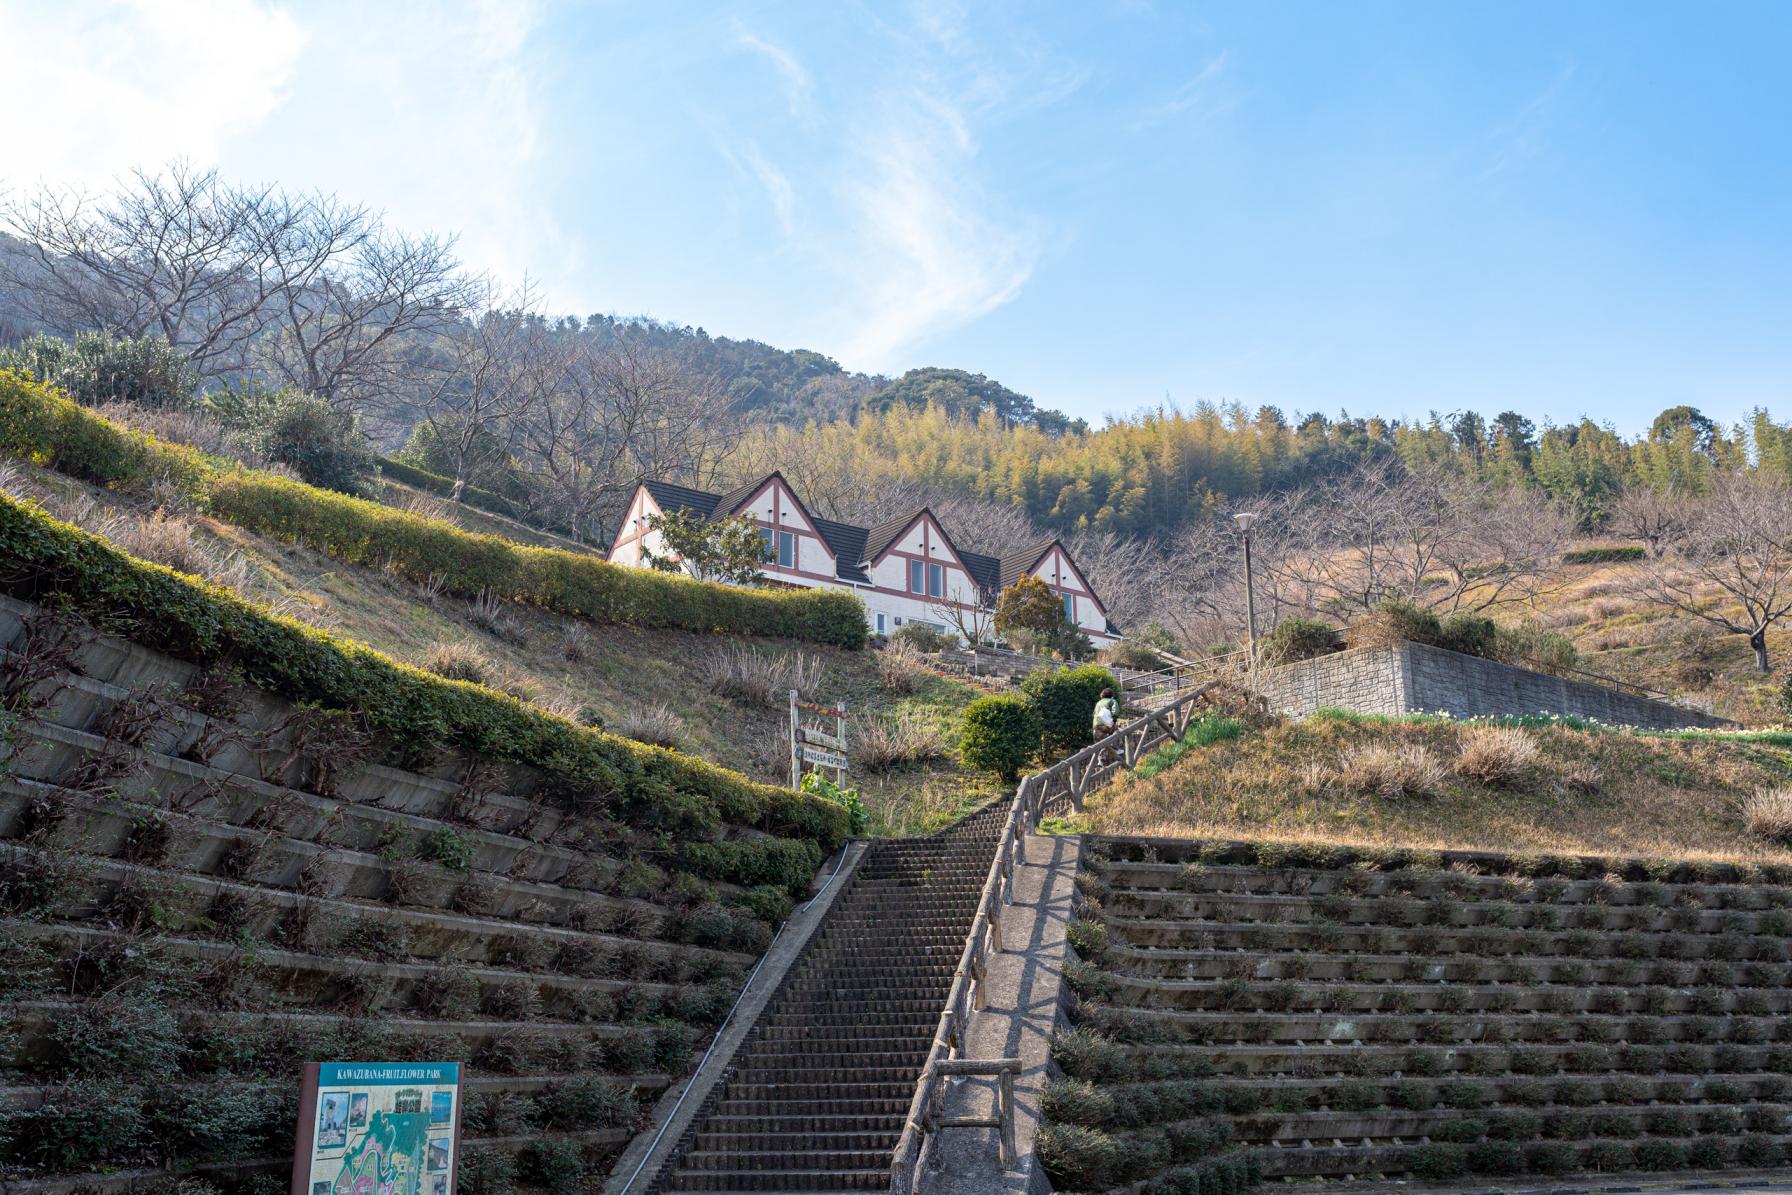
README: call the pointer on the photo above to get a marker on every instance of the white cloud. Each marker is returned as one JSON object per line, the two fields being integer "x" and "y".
{"x": 931, "y": 250}
{"x": 91, "y": 90}
{"x": 797, "y": 82}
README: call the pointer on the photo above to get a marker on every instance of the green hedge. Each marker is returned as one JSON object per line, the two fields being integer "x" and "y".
{"x": 443, "y": 487}
{"x": 1064, "y": 699}
{"x": 46, "y": 426}
{"x": 652, "y": 788}
{"x": 1603, "y": 555}
{"x": 999, "y": 734}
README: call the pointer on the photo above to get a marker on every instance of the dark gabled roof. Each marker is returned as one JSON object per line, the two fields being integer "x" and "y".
{"x": 672, "y": 496}
{"x": 880, "y": 537}
{"x": 735, "y": 498}
{"x": 986, "y": 571}
{"x": 848, "y": 544}
{"x": 1016, "y": 565}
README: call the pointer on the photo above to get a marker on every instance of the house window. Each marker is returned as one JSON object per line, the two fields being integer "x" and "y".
{"x": 880, "y": 624}
{"x": 770, "y": 552}
{"x": 786, "y": 549}
{"x": 936, "y": 581}
{"x": 1070, "y": 607}
{"x": 899, "y": 620}
{"x": 917, "y": 577}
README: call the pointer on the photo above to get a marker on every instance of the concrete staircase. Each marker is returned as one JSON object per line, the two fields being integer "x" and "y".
{"x": 816, "y": 1095}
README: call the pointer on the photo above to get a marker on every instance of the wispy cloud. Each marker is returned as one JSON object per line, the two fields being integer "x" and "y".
{"x": 1525, "y": 136}
{"x": 97, "y": 89}
{"x": 798, "y": 83}
{"x": 1199, "y": 97}
{"x": 932, "y": 250}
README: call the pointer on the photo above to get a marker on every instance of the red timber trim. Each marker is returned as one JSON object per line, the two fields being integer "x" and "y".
{"x": 781, "y": 490}
{"x": 629, "y": 531}
{"x": 1057, "y": 548}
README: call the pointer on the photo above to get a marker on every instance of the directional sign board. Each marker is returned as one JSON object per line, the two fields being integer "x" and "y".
{"x": 822, "y": 757}
{"x": 821, "y": 738}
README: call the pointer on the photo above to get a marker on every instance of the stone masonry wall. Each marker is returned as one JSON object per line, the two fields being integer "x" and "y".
{"x": 1368, "y": 680}
{"x": 1418, "y": 678}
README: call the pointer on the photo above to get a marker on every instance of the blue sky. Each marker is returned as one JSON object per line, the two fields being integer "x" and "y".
{"x": 1391, "y": 208}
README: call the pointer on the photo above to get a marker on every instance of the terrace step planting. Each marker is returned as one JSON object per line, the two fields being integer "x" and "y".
{"x": 205, "y": 884}
{"x": 1365, "y": 1016}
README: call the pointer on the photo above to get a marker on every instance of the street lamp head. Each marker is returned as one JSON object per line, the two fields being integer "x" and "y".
{"x": 1244, "y": 519}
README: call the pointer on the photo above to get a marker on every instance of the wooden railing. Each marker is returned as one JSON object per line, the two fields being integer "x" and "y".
{"x": 1064, "y": 784}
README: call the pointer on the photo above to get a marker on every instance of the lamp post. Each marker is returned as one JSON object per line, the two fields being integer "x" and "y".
{"x": 1244, "y": 519}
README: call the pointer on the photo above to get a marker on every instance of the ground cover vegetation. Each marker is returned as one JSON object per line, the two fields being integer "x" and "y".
{"x": 1434, "y": 1015}
{"x": 255, "y": 844}
{"x": 1526, "y": 784}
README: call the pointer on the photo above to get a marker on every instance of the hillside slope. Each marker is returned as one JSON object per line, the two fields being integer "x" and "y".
{"x": 663, "y": 685}
{"x": 1428, "y": 782}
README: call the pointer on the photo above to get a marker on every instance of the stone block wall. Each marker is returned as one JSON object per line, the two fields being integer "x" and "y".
{"x": 1418, "y": 678}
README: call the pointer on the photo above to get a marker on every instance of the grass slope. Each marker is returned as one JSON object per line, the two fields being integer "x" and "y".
{"x": 1602, "y": 791}
{"x": 617, "y": 672}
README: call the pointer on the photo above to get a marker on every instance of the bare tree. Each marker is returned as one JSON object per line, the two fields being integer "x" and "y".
{"x": 1427, "y": 536}
{"x": 619, "y": 413}
{"x": 1654, "y": 518}
{"x": 176, "y": 254}
{"x": 353, "y": 303}
{"x": 495, "y": 369}
{"x": 1128, "y": 572}
{"x": 1730, "y": 561}
{"x": 966, "y": 613}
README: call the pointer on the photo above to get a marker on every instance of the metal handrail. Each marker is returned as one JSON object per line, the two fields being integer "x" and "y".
{"x": 1072, "y": 777}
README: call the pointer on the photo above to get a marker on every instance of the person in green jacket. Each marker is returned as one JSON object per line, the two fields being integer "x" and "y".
{"x": 1107, "y": 714}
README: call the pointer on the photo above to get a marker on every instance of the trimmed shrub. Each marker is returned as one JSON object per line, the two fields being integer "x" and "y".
{"x": 1390, "y": 622}
{"x": 999, "y": 734}
{"x": 1470, "y": 634}
{"x": 1064, "y": 699}
{"x": 1298, "y": 639}
{"x": 47, "y": 427}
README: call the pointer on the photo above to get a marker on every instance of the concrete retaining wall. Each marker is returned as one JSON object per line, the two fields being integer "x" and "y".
{"x": 1418, "y": 678}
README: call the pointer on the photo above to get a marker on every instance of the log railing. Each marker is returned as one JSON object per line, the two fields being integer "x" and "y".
{"x": 1065, "y": 783}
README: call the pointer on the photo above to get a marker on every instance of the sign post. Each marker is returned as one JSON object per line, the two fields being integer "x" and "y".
{"x": 811, "y": 744}
{"x": 378, "y": 1128}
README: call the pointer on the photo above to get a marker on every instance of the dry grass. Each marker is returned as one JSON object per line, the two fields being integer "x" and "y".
{"x": 491, "y": 613}
{"x": 1593, "y": 792}
{"x": 656, "y": 724}
{"x": 1768, "y": 814}
{"x": 1391, "y": 770}
{"x": 881, "y": 744}
{"x": 459, "y": 660}
{"x": 575, "y": 642}
{"x": 762, "y": 677}
{"x": 203, "y": 432}
{"x": 1500, "y": 756}
{"x": 900, "y": 670}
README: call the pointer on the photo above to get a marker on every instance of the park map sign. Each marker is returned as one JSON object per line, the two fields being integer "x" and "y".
{"x": 378, "y": 1128}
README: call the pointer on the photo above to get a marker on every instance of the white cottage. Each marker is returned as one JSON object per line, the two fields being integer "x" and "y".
{"x": 905, "y": 570}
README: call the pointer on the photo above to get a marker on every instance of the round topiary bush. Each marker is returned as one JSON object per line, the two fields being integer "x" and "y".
{"x": 1064, "y": 699}
{"x": 999, "y": 734}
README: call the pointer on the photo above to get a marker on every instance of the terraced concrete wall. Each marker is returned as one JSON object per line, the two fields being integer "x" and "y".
{"x": 1379, "y": 1015}
{"x": 1419, "y": 678}
{"x": 203, "y": 887}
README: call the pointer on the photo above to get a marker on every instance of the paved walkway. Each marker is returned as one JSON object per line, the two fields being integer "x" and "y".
{"x": 1025, "y": 984}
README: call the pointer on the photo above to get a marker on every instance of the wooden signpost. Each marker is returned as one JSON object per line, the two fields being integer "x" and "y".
{"x": 811, "y": 744}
